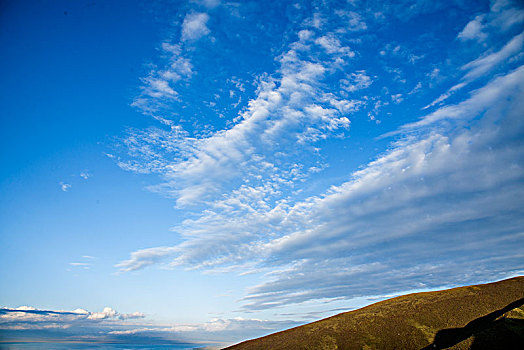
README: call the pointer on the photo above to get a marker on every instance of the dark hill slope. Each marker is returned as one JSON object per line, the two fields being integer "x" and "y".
{"x": 486, "y": 316}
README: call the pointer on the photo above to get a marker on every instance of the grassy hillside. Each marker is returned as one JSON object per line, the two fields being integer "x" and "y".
{"x": 486, "y": 316}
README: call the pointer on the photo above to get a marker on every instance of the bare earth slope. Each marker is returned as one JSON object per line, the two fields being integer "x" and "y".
{"x": 486, "y": 316}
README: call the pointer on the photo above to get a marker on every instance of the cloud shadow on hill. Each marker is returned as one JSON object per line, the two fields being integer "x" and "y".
{"x": 489, "y": 332}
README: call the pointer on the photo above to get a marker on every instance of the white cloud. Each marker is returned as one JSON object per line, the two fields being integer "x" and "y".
{"x": 473, "y": 30}
{"x": 64, "y": 186}
{"x": 416, "y": 89}
{"x": 293, "y": 108}
{"x": 134, "y": 315}
{"x": 229, "y": 330}
{"x": 145, "y": 257}
{"x": 452, "y": 185}
{"x": 232, "y": 324}
{"x": 504, "y": 14}
{"x": 459, "y": 196}
{"x": 354, "y": 21}
{"x": 106, "y": 313}
{"x": 63, "y": 319}
{"x": 332, "y": 45}
{"x": 397, "y": 98}
{"x": 317, "y": 21}
{"x": 194, "y": 26}
{"x": 158, "y": 86}
{"x": 401, "y": 51}
{"x": 434, "y": 74}
{"x": 445, "y": 95}
{"x": 210, "y": 4}
{"x": 456, "y": 190}
{"x": 356, "y": 81}
{"x": 84, "y": 265}
{"x": 107, "y": 326}
{"x": 79, "y": 264}
{"x": 482, "y": 65}
{"x": 480, "y": 100}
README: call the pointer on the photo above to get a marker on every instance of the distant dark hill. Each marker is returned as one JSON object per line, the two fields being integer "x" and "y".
{"x": 485, "y": 316}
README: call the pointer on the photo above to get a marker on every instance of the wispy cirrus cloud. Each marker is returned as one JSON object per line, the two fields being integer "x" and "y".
{"x": 482, "y": 65}
{"x": 423, "y": 195}
{"x": 435, "y": 202}
{"x": 81, "y": 264}
{"x": 210, "y": 4}
{"x": 85, "y": 262}
{"x": 511, "y": 13}
{"x": 291, "y": 108}
{"x": 502, "y": 16}
{"x": 146, "y": 257}
{"x": 480, "y": 100}
{"x": 159, "y": 86}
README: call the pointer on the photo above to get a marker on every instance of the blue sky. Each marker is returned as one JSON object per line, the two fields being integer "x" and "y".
{"x": 211, "y": 171}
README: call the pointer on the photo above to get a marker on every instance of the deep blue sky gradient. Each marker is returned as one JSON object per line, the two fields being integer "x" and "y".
{"x": 140, "y": 173}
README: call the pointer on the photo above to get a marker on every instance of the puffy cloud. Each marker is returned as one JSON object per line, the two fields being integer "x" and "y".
{"x": 195, "y": 26}
{"x": 502, "y": 16}
{"x": 111, "y": 326}
{"x": 35, "y": 318}
{"x": 106, "y": 313}
{"x": 108, "y": 326}
{"x": 473, "y": 30}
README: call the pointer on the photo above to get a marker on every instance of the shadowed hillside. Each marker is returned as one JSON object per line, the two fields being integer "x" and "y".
{"x": 486, "y": 316}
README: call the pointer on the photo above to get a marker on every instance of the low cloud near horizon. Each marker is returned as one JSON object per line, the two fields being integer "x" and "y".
{"x": 30, "y": 323}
